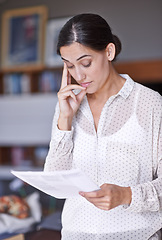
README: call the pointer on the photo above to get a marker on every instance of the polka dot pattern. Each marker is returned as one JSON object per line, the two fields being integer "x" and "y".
{"x": 126, "y": 150}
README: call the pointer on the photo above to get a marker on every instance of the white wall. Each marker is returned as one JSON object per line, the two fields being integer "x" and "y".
{"x": 27, "y": 119}
{"x": 137, "y": 23}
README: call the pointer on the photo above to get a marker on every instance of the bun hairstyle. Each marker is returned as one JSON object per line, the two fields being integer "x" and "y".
{"x": 90, "y": 30}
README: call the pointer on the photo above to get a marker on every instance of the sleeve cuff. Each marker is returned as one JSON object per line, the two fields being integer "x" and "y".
{"x": 135, "y": 204}
{"x": 136, "y": 199}
{"x": 60, "y": 135}
{"x": 144, "y": 198}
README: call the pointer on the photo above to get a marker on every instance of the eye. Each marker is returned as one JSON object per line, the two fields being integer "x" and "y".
{"x": 87, "y": 65}
{"x": 69, "y": 66}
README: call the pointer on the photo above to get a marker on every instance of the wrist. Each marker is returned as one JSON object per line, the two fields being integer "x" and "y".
{"x": 64, "y": 123}
{"x": 127, "y": 198}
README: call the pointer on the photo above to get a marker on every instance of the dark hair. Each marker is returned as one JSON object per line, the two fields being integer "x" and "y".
{"x": 90, "y": 30}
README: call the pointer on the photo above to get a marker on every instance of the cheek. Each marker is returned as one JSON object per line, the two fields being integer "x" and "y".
{"x": 105, "y": 68}
{"x": 102, "y": 74}
{"x": 100, "y": 70}
{"x": 94, "y": 71}
{"x": 102, "y": 65}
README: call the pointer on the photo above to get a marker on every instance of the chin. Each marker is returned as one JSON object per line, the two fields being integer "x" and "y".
{"x": 90, "y": 91}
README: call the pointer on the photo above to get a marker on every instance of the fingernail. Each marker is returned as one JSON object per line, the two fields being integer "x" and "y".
{"x": 81, "y": 193}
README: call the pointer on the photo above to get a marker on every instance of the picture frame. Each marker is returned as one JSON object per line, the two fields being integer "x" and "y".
{"x": 52, "y": 59}
{"x": 23, "y": 38}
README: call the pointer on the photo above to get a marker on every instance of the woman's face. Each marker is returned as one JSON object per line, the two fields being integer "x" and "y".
{"x": 88, "y": 67}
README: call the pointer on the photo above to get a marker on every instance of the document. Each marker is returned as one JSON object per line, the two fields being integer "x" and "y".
{"x": 59, "y": 184}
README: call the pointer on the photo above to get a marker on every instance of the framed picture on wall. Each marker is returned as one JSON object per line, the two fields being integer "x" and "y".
{"x": 23, "y": 38}
{"x": 53, "y": 28}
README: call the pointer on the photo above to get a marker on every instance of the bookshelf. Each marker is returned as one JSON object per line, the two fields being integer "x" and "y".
{"x": 27, "y": 102}
{"x": 26, "y": 114}
{"x": 30, "y": 80}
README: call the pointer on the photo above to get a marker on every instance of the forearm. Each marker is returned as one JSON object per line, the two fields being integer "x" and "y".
{"x": 126, "y": 195}
{"x": 148, "y": 196}
{"x": 60, "y": 152}
{"x": 61, "y": 145}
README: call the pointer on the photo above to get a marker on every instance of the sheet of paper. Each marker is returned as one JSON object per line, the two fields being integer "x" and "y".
{"x": 59, "y": 184}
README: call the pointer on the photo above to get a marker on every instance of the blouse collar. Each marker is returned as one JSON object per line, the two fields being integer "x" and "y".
{"x": 127, "y": 87}
{"x": 124, "y": 93}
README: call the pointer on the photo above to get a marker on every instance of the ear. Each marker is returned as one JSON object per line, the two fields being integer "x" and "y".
{"x": 110, "y": 50}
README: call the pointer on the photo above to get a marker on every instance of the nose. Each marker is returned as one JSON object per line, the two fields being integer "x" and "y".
{"x": 79, "y": 75}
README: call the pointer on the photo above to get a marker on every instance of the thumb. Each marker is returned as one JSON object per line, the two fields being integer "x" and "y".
{"x": 81, "y": 95}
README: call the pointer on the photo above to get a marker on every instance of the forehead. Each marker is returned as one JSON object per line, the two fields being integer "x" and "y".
{"x": 75, "y": 51}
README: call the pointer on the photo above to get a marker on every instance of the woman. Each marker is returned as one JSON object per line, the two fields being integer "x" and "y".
{"x": 110, "y": 127}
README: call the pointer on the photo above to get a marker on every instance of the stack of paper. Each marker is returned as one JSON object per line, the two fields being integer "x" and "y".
{"x": 59, "y": 184}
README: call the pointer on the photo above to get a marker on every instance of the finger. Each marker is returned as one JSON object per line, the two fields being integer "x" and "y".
{"x": 101, "y": 207}
{"x": 94, "y": 194}
{"x": 81, "y": 95}
{"x": 65, "y": 95}
{"x": 72, "y": 87}
{"x": 69, "y": 78}
{"x": 65, "y": 77}
{"x": 105, "y": 208}
{"x": 99, "y": 200}
{"x": 95, "y": 201}
{"x": 102, "y": 199}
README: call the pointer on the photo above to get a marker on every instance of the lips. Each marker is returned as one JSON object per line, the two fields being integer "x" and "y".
{"x": 85, "y": 84}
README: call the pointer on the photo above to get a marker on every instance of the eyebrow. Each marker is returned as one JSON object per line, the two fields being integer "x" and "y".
{"x": 77, "y": 58}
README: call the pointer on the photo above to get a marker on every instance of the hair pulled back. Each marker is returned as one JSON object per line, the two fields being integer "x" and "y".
{"x": 90, "y": 30}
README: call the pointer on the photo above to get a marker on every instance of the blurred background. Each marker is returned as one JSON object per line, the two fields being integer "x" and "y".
{"x": 30, "y": 70}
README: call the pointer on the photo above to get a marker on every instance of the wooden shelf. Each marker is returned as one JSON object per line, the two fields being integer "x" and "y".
{"x": 28, "y": 69}
{"x": 142, "y": 71}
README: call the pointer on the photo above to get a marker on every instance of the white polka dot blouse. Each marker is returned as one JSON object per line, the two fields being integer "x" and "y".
{"x": 126, "y": 150}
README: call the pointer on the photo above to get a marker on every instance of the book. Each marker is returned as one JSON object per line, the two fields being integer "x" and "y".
{"x": 49, "y": 81}
{"x": 25, "y": 83}
{"x": 16, "y": 83}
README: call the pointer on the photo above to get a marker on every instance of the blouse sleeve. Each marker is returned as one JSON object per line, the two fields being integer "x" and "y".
{"x": 59, "y": 156}
{"x": 148, "y": 196}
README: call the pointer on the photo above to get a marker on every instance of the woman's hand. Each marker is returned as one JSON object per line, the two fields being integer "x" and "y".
{"x": 109, "y": 196}
{"x": 68, "y": 101}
